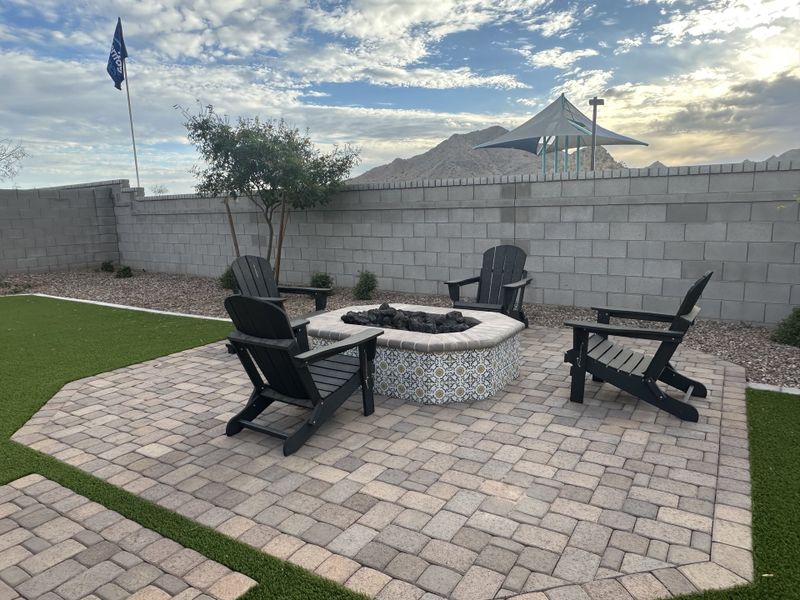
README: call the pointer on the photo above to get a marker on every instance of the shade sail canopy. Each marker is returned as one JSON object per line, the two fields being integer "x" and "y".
{"x": 560, "y": 121}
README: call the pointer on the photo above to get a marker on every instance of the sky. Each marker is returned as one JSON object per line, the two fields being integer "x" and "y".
{"x": 702, "y": 82}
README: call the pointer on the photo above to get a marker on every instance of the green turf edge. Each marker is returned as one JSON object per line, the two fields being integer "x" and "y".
{"x": 773, "y": 421}
{"x": 277, "y": 579}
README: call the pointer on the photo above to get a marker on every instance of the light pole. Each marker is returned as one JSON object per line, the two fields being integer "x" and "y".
{"x": 594, "y": 103}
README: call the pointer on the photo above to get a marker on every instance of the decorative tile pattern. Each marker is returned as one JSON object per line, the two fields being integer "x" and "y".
{"x": 434, "y": 368}
{"x": 519, "y": 495}
{"x": 58, "y": 545}
{"x": 442, "y": 377}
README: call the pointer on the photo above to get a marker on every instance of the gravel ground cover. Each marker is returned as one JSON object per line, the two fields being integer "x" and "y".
{"x": 766, "y": 361}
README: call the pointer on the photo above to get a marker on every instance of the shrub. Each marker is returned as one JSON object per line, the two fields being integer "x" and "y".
{"x": 123, "y": 272}
{"x": 107, "y": 266}
{"x": 366, "y": 284}
{"x": 227, "y": 281}
{"x": 788, "y": 330}
{"x": 321, "y": 280}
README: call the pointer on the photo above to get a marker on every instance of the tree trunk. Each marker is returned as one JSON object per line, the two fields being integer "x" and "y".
{"x": 233, "y": 229}
{"x": 268, "y": 219}
{"x": 281, "y": 234}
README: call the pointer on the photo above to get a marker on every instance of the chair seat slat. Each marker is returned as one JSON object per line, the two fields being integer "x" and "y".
{"x": 633, "y": 362}
{"x": 620, "y": 359}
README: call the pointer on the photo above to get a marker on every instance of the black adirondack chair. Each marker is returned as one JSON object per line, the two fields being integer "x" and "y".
{"x": 632, "y": 371}
{"x": 254, "y": 278}
{"x": 319, "y": 380}
{"x": 501, "y": 283}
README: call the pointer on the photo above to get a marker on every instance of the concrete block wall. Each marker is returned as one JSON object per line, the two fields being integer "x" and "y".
{"x": 635, "y": 238}
{"x": 58, "y": 229}
{"x": 626, "y": 237}
{"x": 185, "y": 233}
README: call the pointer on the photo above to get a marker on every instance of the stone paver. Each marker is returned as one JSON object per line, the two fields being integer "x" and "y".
{"x": 524, "y": 494}
{"x": 89, "y": 565}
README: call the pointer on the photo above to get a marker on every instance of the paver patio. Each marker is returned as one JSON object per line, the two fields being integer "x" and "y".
{"x": 524, "y": 495}
{"x": 58, "y": 545}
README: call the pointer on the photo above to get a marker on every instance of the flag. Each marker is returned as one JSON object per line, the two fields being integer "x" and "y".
{"x": 118, "y": 54}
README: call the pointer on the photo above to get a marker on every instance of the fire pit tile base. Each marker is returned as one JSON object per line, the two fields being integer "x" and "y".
{"x": 435, "y": 368}
{"x": 442, "y": 377}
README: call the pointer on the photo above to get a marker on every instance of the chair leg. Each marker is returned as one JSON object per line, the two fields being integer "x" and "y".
{"x": 578, "y": 381}
{"x": 295, "y": 441}
{"x": 321, "y": 412}
{"x": 254, "y": 407}
{"x": 653, "y": 394}
{"x": 367, "y": 382}
{"x": 671, "y": 377}
{"x": 320, "y": 300}
{"x": 519, "y": 316}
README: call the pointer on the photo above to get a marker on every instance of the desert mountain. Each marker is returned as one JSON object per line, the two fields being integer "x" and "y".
{"x": 789, "y": 155}
{"x": 455, "y": 158}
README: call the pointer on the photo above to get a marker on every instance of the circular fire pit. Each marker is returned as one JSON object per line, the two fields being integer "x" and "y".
{"x": 435, "y": 368}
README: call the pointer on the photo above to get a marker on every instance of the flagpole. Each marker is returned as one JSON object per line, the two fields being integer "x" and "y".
{"x": 130, "y": 117}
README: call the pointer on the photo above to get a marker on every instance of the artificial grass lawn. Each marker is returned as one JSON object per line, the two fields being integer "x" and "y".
{"x": 774, "y": 430}
{"x": 46, "y": 343}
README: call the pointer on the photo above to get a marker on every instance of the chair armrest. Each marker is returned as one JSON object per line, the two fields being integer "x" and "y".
{"x": 320, "y": 295}
{"x": 293, "y": 289}
{"x": 632, "y": 313}
{"x": 237, "y": 337}
{"x": 353, "y": 341}
{"x": 467, "y": 281}
{"x": 278, "y": 301}
{"x": 519, "y": 284}
{"x": 622, "y": 331}
{"x": 298, "y": 323}
{"x": 454, "y": 286}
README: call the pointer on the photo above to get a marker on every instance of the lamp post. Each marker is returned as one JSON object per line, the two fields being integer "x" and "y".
{"x": 594, "y": 103}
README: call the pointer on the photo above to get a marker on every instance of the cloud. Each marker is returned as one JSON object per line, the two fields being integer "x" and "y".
{"x": 722, "y": 17}
{"x": 556, "y": 57}
{"x": 336, "y": 64}
{"x": 579, "y": 84}
{"x": 88, "y": 138}
{"x": 627, "y": 44}
{"x": 747, "y": 107}
{"x": 328, "y": 66}
{"x": 554, "y": 23}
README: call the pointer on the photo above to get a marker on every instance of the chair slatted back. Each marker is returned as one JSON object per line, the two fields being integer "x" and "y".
{"x": 262, "y": 319}
{"x": 254, "y": 277}
{"x": 501, "y": 265}
{"x": 684, "y": 318}
{"x": 693, "y": 295}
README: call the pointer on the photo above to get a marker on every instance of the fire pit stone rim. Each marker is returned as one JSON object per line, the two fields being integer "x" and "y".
{"x": 492, "y": 329}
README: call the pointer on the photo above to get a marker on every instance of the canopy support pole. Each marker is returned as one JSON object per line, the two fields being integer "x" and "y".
{"x": 566, "y": 154}
{"x": 544, "y": 158}
{"x": 578, "y": 156}
{"x": 555, "y": 166}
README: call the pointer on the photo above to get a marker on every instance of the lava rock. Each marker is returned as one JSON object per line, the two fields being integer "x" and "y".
{"x": 386, "y": 316}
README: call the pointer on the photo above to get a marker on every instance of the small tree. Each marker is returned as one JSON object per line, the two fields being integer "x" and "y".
{"x": 269, "y": 162}
{"x": 11, "y": 156}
